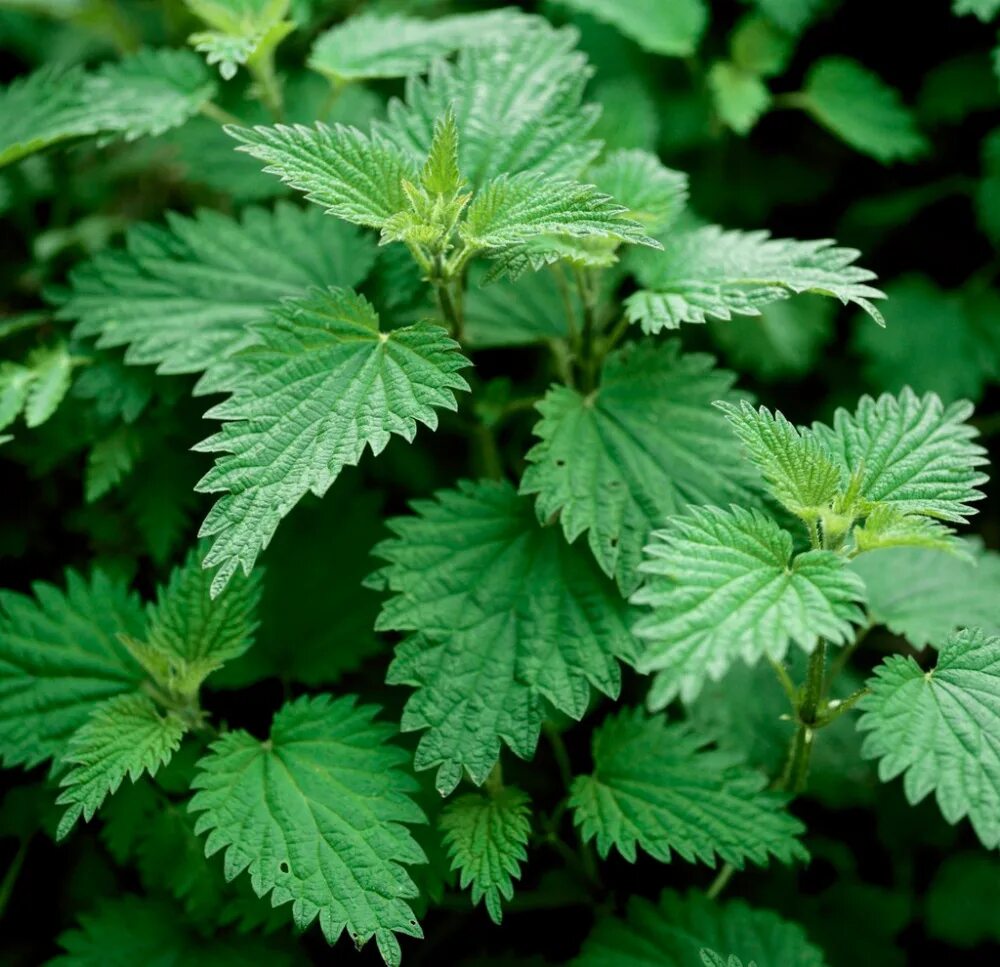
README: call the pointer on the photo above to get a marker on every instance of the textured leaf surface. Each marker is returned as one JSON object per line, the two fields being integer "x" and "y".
{"x": 656, "y": 786}
{"x": 858, "y": 107}
{"x": 315, "y": 814}
{"x": 124, "y": 736}
{"x": 673, "y": 29}
{"x": 940, "y": 729}
{"x": 320, "y": 385}
{"x": 711, "y": 273}
{"x": 373, "y": 45}
{"x": 184, "y": 296}
{"x": 672, "y": 933}
{"x": 914, "y": 453}
{"x": 508, "y": 617}
{"x": 643, "y": 446}
{"x": 925, "y": 595}
{"x": 724, "y": 585}
{"x": 35, "y": 388}
{"x": 59, "y": 657}
{"x": 485, "y": 836}
{"x": 654, "y": 196}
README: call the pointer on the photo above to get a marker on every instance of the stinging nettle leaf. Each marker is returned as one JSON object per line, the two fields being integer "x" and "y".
{"x": 938, "y": 729}
{"x": 740, "y": 96}
{"x": 319, "y": 386}
{"x": 673, "y": 29}
{"x": 315, "y": 814}
{"x": 657, "y": 786}
{"x": 653, "y": 195}
{"x": 724, "y": 585}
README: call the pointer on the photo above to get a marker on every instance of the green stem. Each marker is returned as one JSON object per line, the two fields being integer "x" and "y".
{"x": 838, "y": 707}
{"x": 488, "y": 453}
{"x": 588, "y": 361}
{"x": 721, "y": 880}
{"x": 267, "y": 83}
{"x": 448, "y": 310}
{"x": 13, "y": 871}
{"x": 797, "y": 769}
{"x": 840, "y": 662}
{"x": 212, "y": 110}
{"x": 567, "y": 301}
{"x": 494, "y": 781}
{"x": 560, "y": 754}
{"x": 786, "y": 681}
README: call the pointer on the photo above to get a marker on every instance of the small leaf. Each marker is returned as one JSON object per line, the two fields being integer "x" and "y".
{"x": 673, "y": 28}
{"x": 740, "y": 96}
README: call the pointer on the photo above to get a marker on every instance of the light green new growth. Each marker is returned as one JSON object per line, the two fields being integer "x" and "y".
{"x": 985, "y": 10}
{"x": 319, "y": 385}
{"x": 653, "y": 195}
{"x": 185, "y": 296}
{"x": 673, "y": 29}
{"x": 143, "y": 94}
{"x": 656, "y": 786}
{"x": 508, "y": 616}
{"x": 315, "y": 814}
{"x": 740, "y": 96}
{"x": 858, "y": 107}
{"x": 35, "y": 388}
{"x": 724, "y": 585}
{"x": 672, "y": 933}
{"x": 938, "y": 729}
{"x": 708, "y": 272}
{"x": 372, "y": 45}
{"x": 485, "y": 836}
{"x": 244, "y": 32}
{"x": 641, "y": 447}
{"x": 124, "y": 736}
{"x": 887, "y": 526}
{"x": 60, "y": 656}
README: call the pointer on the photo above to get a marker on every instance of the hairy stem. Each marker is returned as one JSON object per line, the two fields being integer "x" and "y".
{"x": 448, "y": 310}
{"x": 721, "y": 880}
{"x": 797, "y": 769}
{"x": 837, "y": 707}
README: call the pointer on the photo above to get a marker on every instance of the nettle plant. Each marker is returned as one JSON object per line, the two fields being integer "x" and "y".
{"x": 659, "y": 521}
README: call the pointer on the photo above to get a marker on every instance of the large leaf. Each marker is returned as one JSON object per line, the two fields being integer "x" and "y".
{"x": 509, "y": 617}
{"x": 724, "y": 585}
{"x": 315, "y": 814}
{"x": 644, "y": 445}
{"x": 320, "y": 384}
{"x": 60, "y": 656}
{"x": 656, "y": 786}
{"x": 939, "y": 729}
{"x": 672, "y": 28}
{"x": 708, "y": 273}
{"x": 184, "y": 297}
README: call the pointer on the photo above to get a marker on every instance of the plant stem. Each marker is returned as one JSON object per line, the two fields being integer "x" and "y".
{"x": 13, "y": 871}
{"x": 786, "y": 681}
{"x": 588, "y": 361}
{"x": 837, "y": 707}
{"x": 212, "y": 110}
{"x": 719, "y": 883}
{"x": 494, "y": 781}
{"x": 797, "y": 770}
{"x": 560, "y": 754}
{"x": 840, "y": 662}
{"x": 448, "y": 310}
{"x": 488, "y": 453}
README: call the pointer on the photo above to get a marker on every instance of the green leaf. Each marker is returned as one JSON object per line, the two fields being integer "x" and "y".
{"x": 960, "y": 900}
{"x": 647, "y": 442}
{"x": 184, "y": 297}
{"x": 888, "y": 526}
{"x": 739, "y": 95}
{"x": 630, "y": 113}
{"x": 711, "y": 959}
{"x": 937, "y": 729}
{"x": 707, "y": 273}
{"x": 791, "y": 15}
{"x": 672, "y": 933}
{"x": 760, "y": 46}
{"x": 353, "y": 176}
{"x": 925, "y": 595}
{"x": 800, "y": 471}
{"x": 911, "y": 452}
{"x": 485, "y": 836}
{"x": 656, "y": 786}
{"x": 124, "y": 736}
{"x": 653, "y": 195}
{"x": 245, "y": 31}
{"x": 143, "y": 94}
{"x": 372, "y": 45}
{"x": 35, "y": 388}
{"x": 860, "y": 109}
{"x": 673, "y": 29}
{"x": 109, "y": 461}
{"x": 509, "y": 617}
{"x": 315, "y": 814}
{"x": 318, "y": 386}
{"x": 59, "y": 657}
{"x": 725, "y": 585}
{"x": 985, "y": 10}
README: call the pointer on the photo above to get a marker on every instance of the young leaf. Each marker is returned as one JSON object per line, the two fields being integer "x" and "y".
{"x": 653, "y": 195}
{"x": 124, "y": 736}
{"x": 937, "y": 728}
{"x": 791, "y": 15}
{"x": 315, "y": 814}
{"x": 244, "y": 31}
{"x": 319, "y": 385}
{"x": 673, "y": 29}
{"x": 858, "y": 107}
{"x": 109, "y": 461}
{"x": 36, "y": 388}
{"x": 184, "y": 297}
{"x": 740, "y": 96}
{"x": 371, "y": 45}
{"x": 725, "y": 585}
{"x": 985, "y": 10}
{"x": 486, "y": 837}
{"x": 672, "y": 932}
{"x": 509, "y": 617}
{"x": 59, "y": 657}
{"x": 912, "y": 452}
{"x": 887, "y": 526}
{"x": 648, "y": 443}
{"x": 926, "y": 596}
{"x": 800, "y": 471}
{"x": 656, "y": 786}
{"x": 707, "y": 273}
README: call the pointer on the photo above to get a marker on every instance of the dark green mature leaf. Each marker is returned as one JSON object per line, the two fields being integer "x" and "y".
{"x": 184, "y": 297}
{"x": 961, "y": 908}
{"x": 315, "y": 814}
{"x": 673, "y": 932}
{"x": 938, "y": 729}
{"x": 60, "y": 656}
{"x": 509, "y": 618}
{"x": 656, "y": 786}
{"x": 645, "y": 444}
